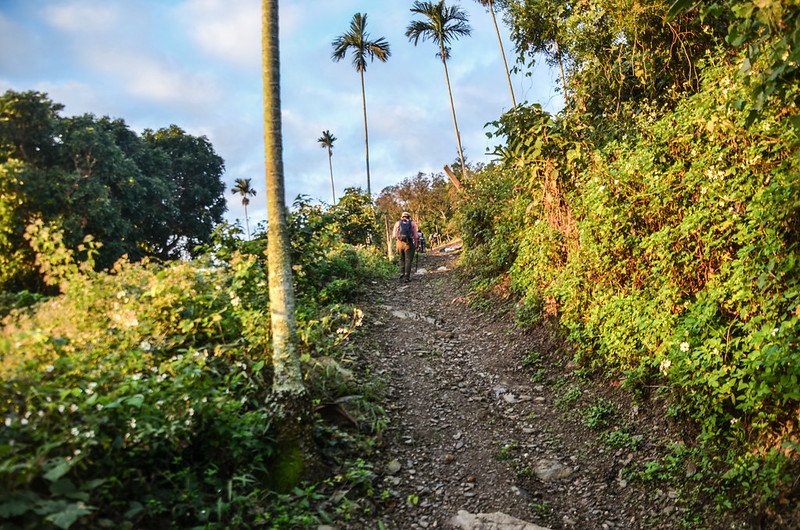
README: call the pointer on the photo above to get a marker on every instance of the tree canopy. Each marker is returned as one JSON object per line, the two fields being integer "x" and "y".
{"x": 159, "y": 194}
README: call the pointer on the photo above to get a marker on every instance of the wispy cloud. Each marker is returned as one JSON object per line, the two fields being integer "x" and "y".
{"x": 83, "y": 16}
{"x": 229, "y": 30}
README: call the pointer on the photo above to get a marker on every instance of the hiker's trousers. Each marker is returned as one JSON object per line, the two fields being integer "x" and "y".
{"x": 406, "y": 253}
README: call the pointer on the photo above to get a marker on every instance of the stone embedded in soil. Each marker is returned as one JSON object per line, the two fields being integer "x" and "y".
{"x": 549, "y": 470}
{"x": 393, "y": 467}
{"x": 491, "y": 521}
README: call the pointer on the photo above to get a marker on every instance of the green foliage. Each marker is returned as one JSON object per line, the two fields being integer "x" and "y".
{"x": 506, "y": 450}
{"x": 355, "y": 219}
{"x": 429, "y": 198}
{"x": 155, "y": 195}
{"x": 667, "y": 245}
{"x": 597, "y": 415}
{"x": 620, "y": 438}
{"x": 568, "y": 397}
{"x": 488, "y": 214}
{"x": 141, "y": 395}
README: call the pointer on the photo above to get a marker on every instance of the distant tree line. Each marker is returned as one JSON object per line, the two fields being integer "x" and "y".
{"x": 157, "y": 194}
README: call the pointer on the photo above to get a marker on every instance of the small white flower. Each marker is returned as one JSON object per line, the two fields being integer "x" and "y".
{"x": 684, "y": 347}
{"x": 23, "y": 421}
{"x": 136, "y": 377}
{"x": 73, "y": 407}
{"x": 664, "y": 366}
{"x": 774, "y": 332}
{"x": 235, "y": 301}
{"x": 191, "y": 412}
{"x": 49, "y": 368}
{"x": 89, "y": 434}
{"x": 132, "y": 423}
{"x": 121, "y": 294}
{"x": 734, "y": 421}
{"x": 9, "y": 421}
{"x": 76, "y": 452}
{"x": 145, "y": 346}
{"x": 99, "y": 406}
{"x": 74, "y": 431}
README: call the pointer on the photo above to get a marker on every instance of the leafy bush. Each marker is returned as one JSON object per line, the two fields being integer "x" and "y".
{"x": 671, "y": 254}
{"x": 141, "y": 395}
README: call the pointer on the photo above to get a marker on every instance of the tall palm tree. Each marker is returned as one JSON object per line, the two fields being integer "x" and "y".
{"x": 243, "y": 188}
{"x": 287, "y": 377}
{"x": 356, "y": 40}
{"x": 441, "y": 25}
{"x": 326, "y": 140}
{"x": 490, "y": 5}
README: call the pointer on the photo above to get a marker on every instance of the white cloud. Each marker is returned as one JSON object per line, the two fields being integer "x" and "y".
{"x": 83, "y": 16}
{"x": 225, "y": 29}
{"x": 154, "y": 79}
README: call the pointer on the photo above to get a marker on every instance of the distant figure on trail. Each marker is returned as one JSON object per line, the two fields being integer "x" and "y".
{"x": 406, "y": 234}
{"x": 421, "y": 242}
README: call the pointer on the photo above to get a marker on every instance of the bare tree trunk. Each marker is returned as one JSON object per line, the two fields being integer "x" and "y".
{"x": 294, "y": 442}
{"x": 502, "y": 53}
{"x": 366, "y": 133}
{"x": 453, "y": 110}
{"x": 389, "y": 253}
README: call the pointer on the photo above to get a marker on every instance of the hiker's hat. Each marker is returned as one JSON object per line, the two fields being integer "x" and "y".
{"x": 406, "y": 214}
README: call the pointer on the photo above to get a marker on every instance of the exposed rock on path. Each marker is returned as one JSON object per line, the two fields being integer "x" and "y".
{"x": 470, "y": 433}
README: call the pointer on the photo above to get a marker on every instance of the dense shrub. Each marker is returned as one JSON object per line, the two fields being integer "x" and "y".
{"x": 679, "y": 264}
{"x": 141, "y": 396}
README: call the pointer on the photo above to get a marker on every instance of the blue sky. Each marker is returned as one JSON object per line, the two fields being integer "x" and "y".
{"x": 197, "y": 64}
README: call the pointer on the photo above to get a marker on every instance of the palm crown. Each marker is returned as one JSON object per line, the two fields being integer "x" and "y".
{"x": 357, "y": 41}
{"x": 243, "y": 188}
{"x": 326, "y": 140}
{"x": 441, "y": 24}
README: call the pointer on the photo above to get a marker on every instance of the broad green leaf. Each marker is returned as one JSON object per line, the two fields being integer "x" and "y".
{"x": 135, "y": 401}
{"x": 678, "y": 7}
{"x": 67, "y": 517}
{"x": 60, "y": 468}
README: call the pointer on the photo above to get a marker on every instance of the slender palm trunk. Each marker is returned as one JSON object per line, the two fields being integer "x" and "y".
{"x": 561, "y": 67}
{"x": 330, "y": 166}
{"x": 366, "y": 133}
{"x": 453, "y": 110}
{"x": 247, "y": 222}
{"x": 503, "y": 54}
{"x": 287, "y": 377}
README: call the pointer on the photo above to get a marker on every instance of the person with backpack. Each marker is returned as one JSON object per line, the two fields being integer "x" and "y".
{"x": 406, "y": 234}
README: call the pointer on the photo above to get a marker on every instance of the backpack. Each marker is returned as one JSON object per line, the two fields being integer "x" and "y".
{"x": 404, "y": 231}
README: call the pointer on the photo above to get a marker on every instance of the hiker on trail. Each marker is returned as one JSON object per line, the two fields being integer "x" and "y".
{"x": 406, "y": 234}
{"x": 421, "y": 242}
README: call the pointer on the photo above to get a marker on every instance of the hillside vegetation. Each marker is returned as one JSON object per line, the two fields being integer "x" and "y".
{"x": 657, "y": 217}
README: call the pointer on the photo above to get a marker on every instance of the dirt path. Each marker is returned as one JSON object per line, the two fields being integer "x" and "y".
{"x": 470, "y": 431}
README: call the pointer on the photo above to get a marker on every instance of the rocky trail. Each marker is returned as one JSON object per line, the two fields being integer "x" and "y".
{"x": 493, "y": 427}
